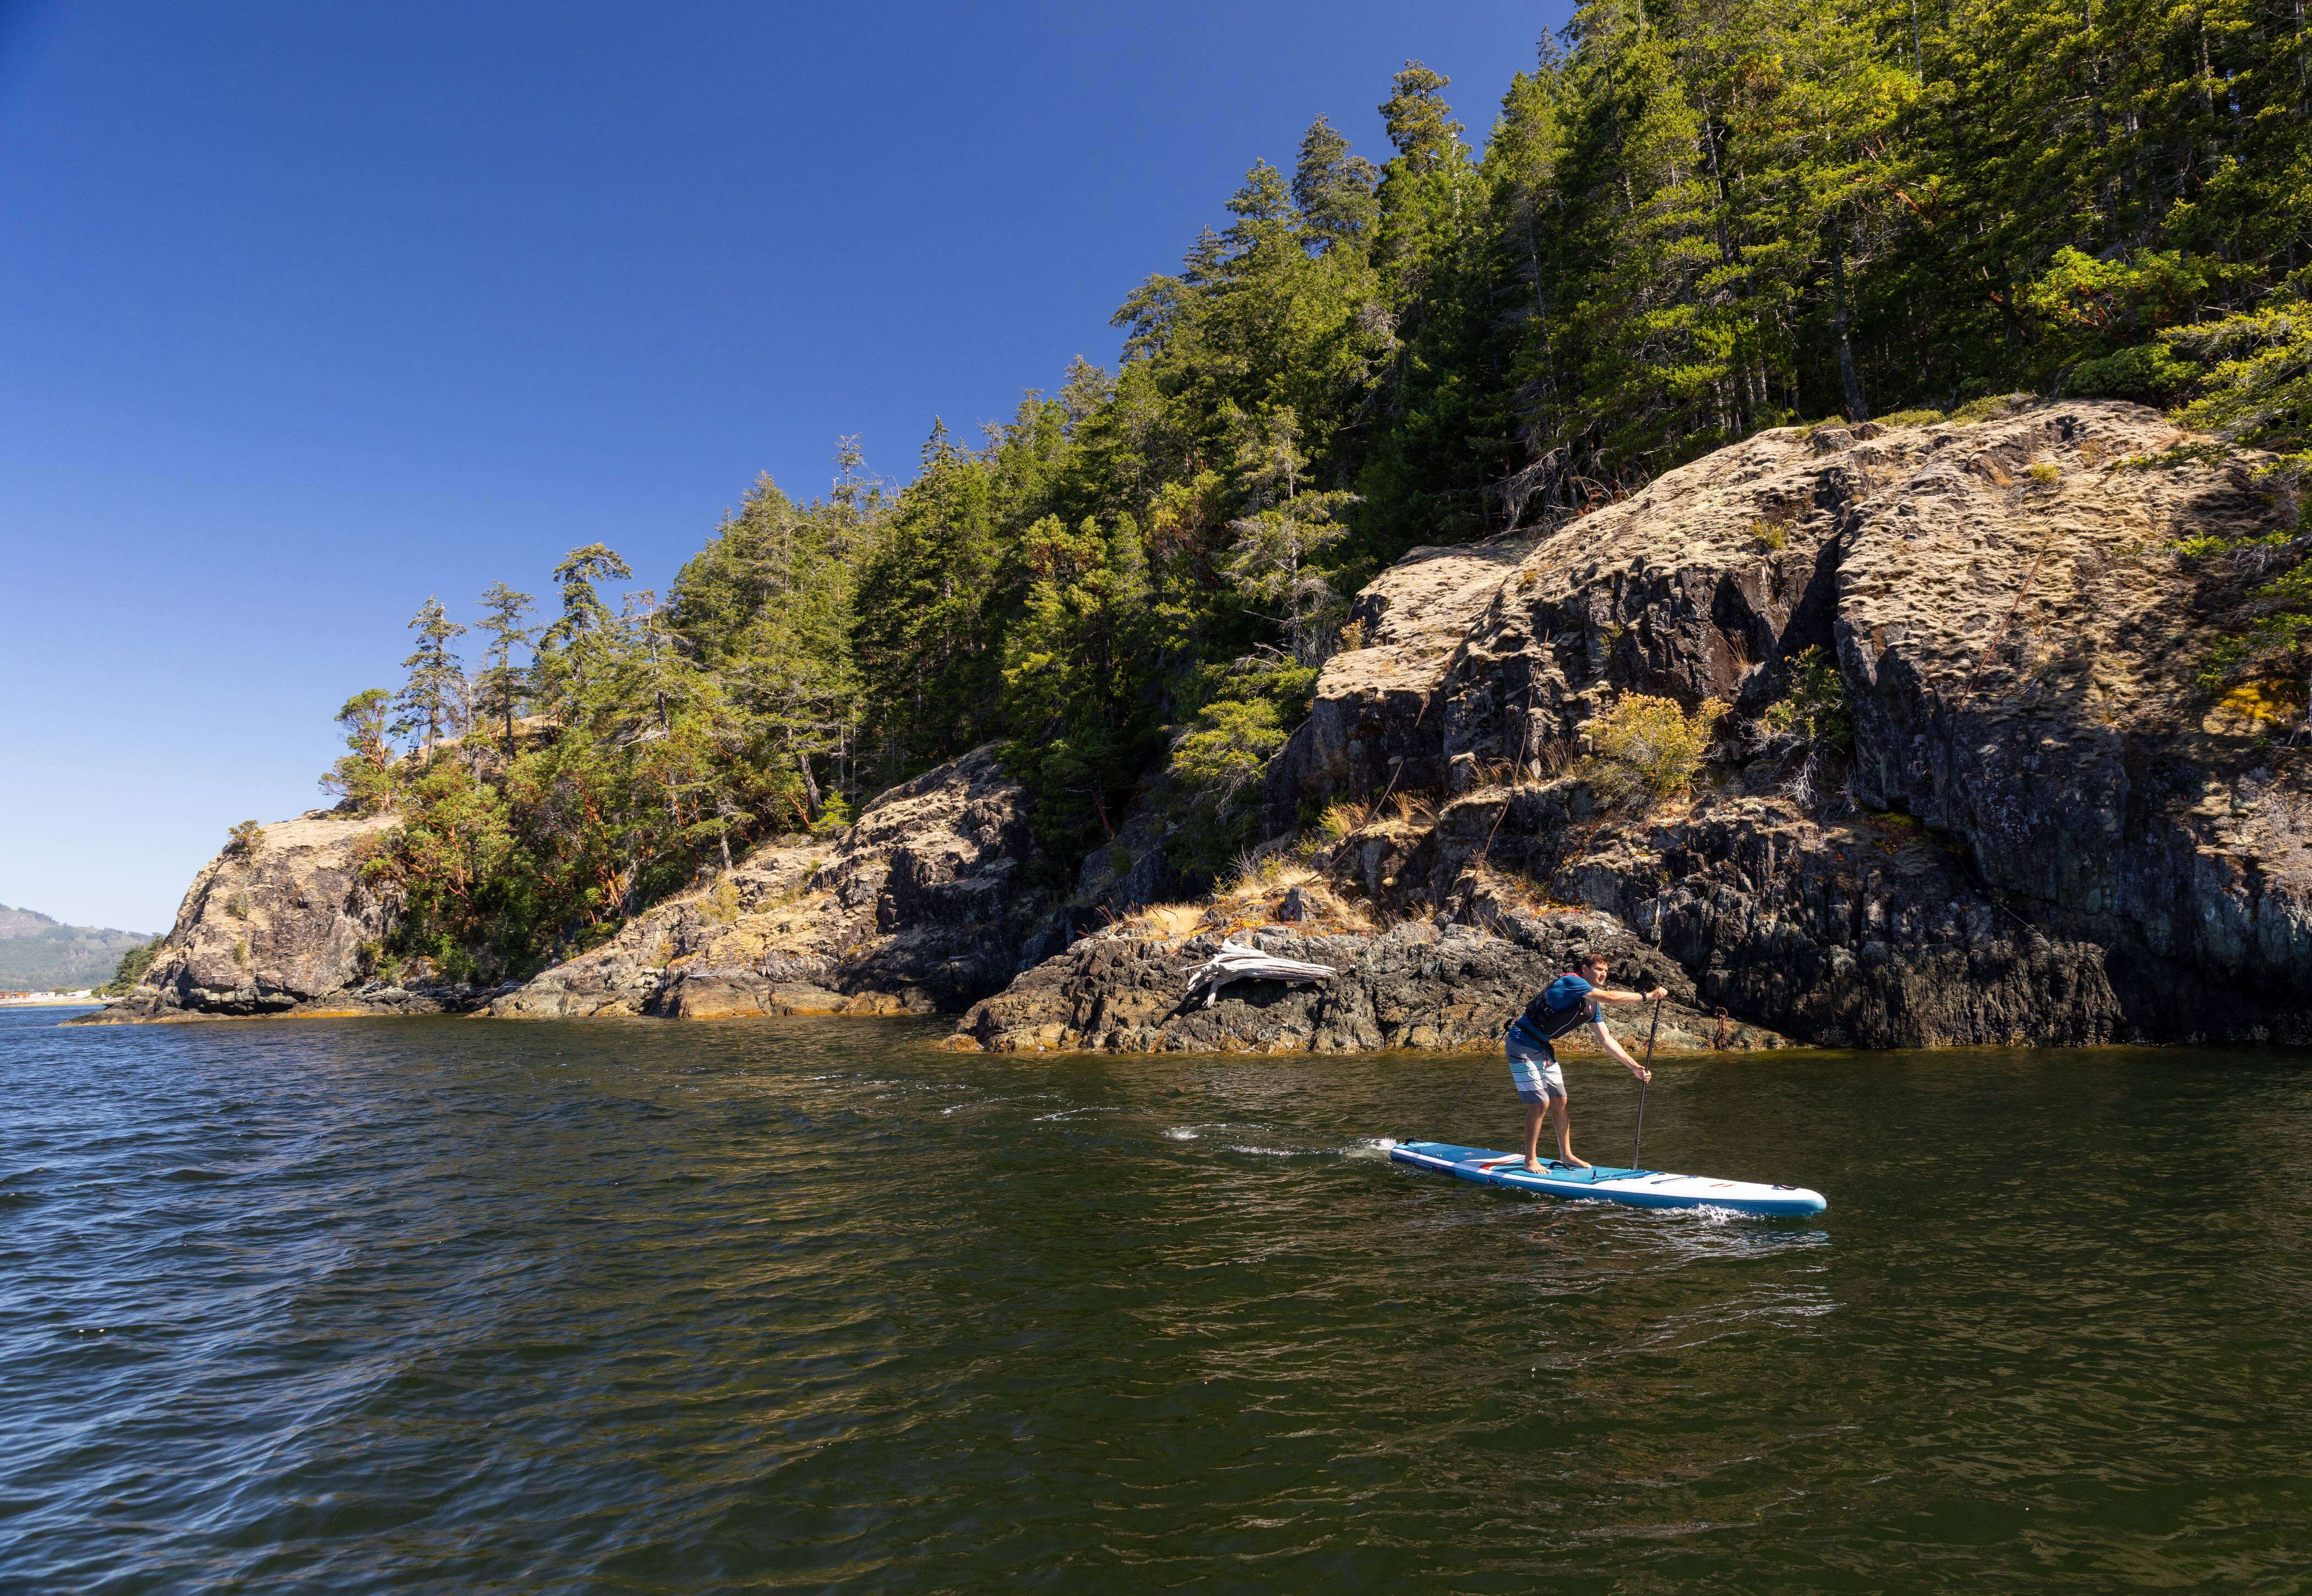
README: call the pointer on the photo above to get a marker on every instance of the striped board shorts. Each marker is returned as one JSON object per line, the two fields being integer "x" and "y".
{"x": 1533, "y": 1069}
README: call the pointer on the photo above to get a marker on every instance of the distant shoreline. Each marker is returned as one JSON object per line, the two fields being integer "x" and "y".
{"x": 53, "y": 1000}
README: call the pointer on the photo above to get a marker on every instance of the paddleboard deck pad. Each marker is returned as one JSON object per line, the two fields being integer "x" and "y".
{"x": 1637, "y": 1188}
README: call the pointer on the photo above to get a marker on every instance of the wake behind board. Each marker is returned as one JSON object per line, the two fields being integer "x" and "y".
{"x": 1638, "y": 1188}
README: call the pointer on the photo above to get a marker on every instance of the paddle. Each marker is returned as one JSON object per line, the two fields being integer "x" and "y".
{"x": 1643, "y": 1085}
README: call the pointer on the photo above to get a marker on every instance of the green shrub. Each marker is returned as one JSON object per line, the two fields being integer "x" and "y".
{"x": 2147, "y": 372}
{"x": 1909, "y": 418}
{"x": 243, "y": 838}
{"x": 2207, "y": 546}
{"x": 2098, "y": 311}
{"x": 721, "y": 906}
{"x": 2256, "y": 385}
{"x": 1990, "y": 407}
{"x": 1814, "y": 710}
{"x": 834, "y": 815}
{"x": 1650, "y": 747}
{"x": 131, "y": 969}
{"x": 2178, "y": 455}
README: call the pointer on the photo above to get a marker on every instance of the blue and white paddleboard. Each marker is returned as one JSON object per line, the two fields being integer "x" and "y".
{"x": 1638, "y": 1188}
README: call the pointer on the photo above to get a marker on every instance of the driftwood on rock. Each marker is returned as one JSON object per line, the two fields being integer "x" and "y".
{"x": 1236, "y": 962}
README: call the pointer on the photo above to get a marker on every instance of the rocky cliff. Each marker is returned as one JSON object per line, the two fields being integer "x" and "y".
{"x": 2044, "y": 831}
{"x": 922, "y": 905}
{"x": 2038, "y": 825}
{"x": 283, "y": 926}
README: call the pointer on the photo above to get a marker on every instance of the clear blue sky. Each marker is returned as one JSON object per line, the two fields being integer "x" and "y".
{"x": 312, "y": 310}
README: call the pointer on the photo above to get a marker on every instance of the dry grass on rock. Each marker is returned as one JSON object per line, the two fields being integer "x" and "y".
{"x": 1262, "y": 895}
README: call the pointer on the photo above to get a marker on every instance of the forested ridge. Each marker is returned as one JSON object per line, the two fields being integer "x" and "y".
{"x": 1689, "y": 222}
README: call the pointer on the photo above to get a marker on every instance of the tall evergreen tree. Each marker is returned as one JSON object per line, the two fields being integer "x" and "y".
{"x": 1278, "y": 542}
{"x": 500, "y": 689}
{"x": 1334, "y": 189}
{"x": 570, "y": 649}
{"x": 433, "y": 699}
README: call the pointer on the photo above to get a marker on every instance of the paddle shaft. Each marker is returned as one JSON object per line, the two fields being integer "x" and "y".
{"x": 1643, "y": 1085}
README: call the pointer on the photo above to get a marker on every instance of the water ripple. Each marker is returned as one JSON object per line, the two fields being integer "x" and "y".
{"x": 809, "y": 1307}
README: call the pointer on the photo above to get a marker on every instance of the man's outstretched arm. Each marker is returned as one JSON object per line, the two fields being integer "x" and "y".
{"x": 1606, "y": 1040}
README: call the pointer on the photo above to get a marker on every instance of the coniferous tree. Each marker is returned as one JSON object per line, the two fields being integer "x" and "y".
{"x": 500, "y": 689}
{"x": 433, "y": 700}
{"x": 363, "y": 777}
{"x": 1334, "y": 189}
{"x": 1278, "y": 543}
{"x": 569, "y": 650}
{"x": 1072, "y": 668}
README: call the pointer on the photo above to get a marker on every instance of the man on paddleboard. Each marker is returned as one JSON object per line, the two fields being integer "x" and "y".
{"x": 1578, "y": 995}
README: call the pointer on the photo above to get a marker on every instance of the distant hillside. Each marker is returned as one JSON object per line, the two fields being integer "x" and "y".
{"x": 37, "y": 952}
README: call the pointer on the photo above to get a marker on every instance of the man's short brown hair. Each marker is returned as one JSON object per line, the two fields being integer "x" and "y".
{"x": 1584, "y": 960}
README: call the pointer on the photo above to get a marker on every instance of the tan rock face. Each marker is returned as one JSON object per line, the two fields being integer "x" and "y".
{"x": 2019, "y": 642}
{"x": 1415, "y": 617}
{"x": 919, "y": 906}
{"x": 276, "y": 930}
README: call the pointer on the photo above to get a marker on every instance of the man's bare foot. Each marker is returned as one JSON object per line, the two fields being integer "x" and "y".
{"x": 1532, "y": 1168}
{"x": 1571, "y": 1162}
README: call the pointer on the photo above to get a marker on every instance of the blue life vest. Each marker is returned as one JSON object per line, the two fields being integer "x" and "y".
{"x": 1559, "y": 1007}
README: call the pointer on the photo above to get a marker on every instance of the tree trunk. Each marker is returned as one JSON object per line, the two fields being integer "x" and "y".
{"x": 1841, "y": 317}
{"x": 811, "y": 805}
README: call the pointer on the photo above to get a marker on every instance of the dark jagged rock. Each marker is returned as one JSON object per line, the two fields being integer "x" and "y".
{"x": 1413, "y": 985}
{"x": 1863, "y": 933}
{"x": 1130, "y": 870}
{"x": 2019, "y": 652}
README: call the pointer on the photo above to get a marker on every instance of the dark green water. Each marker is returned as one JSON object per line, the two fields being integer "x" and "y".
{"x": 369, "y": 1306}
